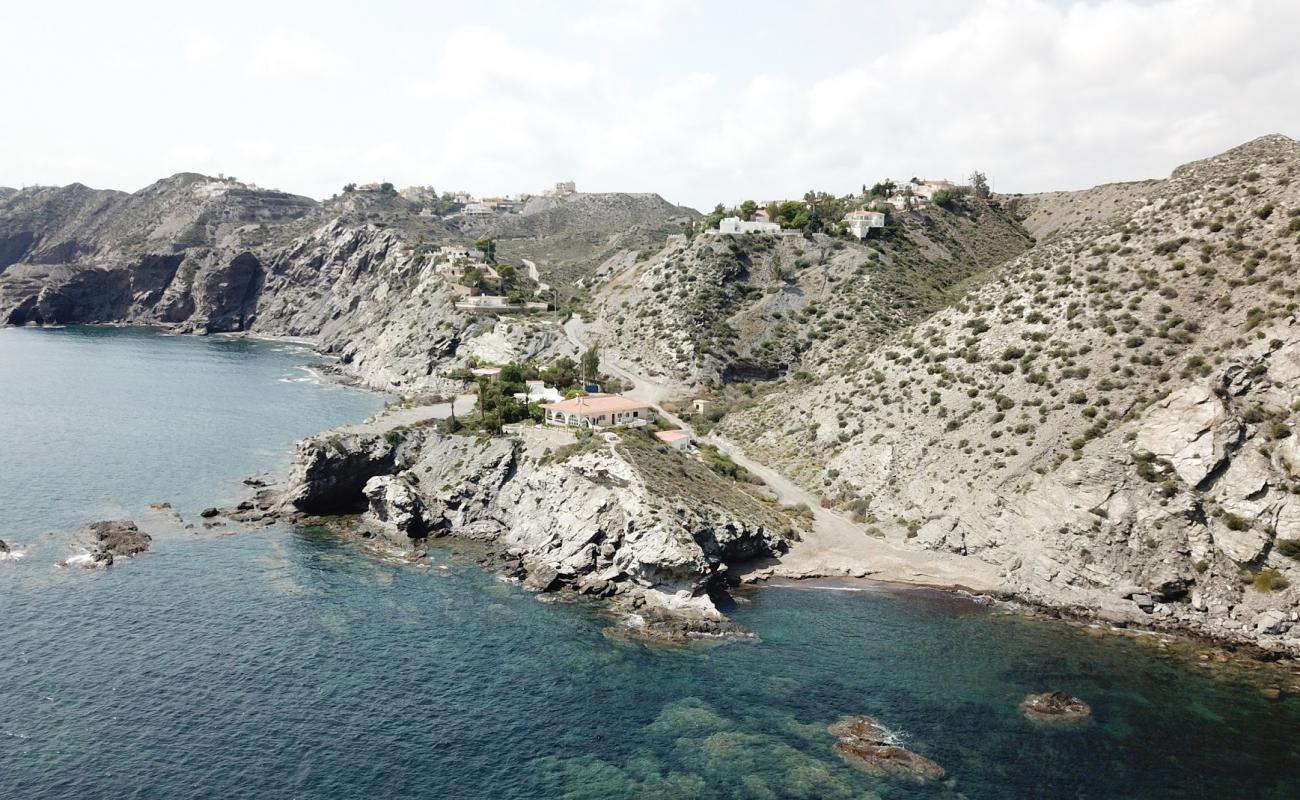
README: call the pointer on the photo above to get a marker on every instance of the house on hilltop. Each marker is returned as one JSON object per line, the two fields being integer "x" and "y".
{"x": 562, "y": 189}
{"x": 738, "y": 225}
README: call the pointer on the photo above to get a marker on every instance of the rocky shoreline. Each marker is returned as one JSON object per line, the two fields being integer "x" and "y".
{"x": 595, "y": 518}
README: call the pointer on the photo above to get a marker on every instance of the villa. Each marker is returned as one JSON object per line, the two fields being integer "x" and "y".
{"x": 598, "y": 411}
{"x": 738, "y": 225}
{"x": 860, "y": 223}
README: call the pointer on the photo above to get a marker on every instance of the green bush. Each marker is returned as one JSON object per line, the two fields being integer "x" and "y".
{"x": 1269, "y": 580}
{"x": 1288, "y": 547}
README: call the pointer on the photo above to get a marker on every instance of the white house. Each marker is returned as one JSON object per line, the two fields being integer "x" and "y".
{"x": 598, "y": 411}
{"x": 679, "y": 440}
{"x": 738, "y": 225}
{"x": 539, "y": 392}
{"x": 860, "y": 223}
{"x": 478, "y": 210}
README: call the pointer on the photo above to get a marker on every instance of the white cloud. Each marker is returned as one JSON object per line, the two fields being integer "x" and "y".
{"x": 698, "y": 102}
{"x": 628, "y": 19}
{"x": 480, "y": 63}
{"x": 201, "y": 48}
{"x": 293, "y": 56}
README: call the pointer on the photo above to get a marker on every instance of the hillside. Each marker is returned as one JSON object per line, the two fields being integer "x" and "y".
{"x": 1108, "y": 418}
{"x": 351, "y": 274}
{"x": 729, "y": 307}
{"x": 570, "y": 238}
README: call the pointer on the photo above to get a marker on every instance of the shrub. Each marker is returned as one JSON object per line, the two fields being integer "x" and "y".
{"x": 1269, "y": 580}
{"x": 1288, "y": 547}
{"x": 1234, "y": 522}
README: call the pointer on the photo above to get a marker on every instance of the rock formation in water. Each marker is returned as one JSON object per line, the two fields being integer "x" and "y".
{"x": 863, "y": 743}
{"x": 1055, "y": 707}
{"x": 629, "y": 518}
{"x": 114, "y": 539}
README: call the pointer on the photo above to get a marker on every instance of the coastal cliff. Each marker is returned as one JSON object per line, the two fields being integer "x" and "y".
{"x": 626, "y": 519}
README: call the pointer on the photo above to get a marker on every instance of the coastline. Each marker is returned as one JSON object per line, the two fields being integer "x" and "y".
{"x": 887, "y": 568}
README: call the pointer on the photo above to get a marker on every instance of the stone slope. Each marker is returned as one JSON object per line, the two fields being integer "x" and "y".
{"x": 1109, "y": 419}
{"x": 352, "y": 275}
{"x": 723, "y": 307}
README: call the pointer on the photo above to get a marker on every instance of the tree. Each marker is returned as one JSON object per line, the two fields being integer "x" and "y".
{"x": 747, "y": 209}
{"x": 715, "y": 216}
{"x": 591, "y": 364}
{"x": 980, "y": 183}
{"x": 349, "y": 188}
{"x": 882, "y": 189}
{"x": 488, "y": 248}
{"x": 509, "y": 278}
{"x": 387, "y": 188}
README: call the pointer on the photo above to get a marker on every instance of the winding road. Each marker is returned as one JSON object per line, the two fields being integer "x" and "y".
{"x": 835, "y": 546}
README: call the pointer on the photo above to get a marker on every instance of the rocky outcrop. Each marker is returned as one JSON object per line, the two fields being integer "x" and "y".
{"x": 331, "y": 470}
{"x": 212, "y": 255}
{"x": 114, "y": 539}
{"x": 865, "y": 744}
{"x": 1055, "y": 707}
{"x": 396, "y": 508}
{"x": 593, "y": 517}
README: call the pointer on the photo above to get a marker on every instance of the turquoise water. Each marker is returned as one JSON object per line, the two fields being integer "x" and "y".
{"x": 286, "y": 663}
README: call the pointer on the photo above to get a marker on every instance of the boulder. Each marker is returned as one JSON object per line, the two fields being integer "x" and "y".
{"x": 1242, "y": 546}
{"x": 1273, "y": 623}
{"x": 4, "y": 548}
{"x": 395, "y": 508}
{"x": 1055, "y": 707}
{"x": 541, "y": 575}
{"x": 870, "y": 747}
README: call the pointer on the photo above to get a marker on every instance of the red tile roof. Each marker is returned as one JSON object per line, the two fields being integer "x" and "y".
{"x": 594, "y": 405}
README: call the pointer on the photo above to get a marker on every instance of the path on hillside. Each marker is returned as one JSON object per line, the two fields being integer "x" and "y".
{"x": 835, "y": 546}
{"x": 399, "y": 416}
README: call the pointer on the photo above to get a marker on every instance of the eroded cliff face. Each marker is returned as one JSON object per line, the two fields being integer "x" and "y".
{"x": 351, "y": 275}
{"x": 597, "y": 517}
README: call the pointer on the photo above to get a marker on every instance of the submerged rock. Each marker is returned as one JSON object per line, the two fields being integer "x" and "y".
{"x": 208, "y": 512}
{"x": 1055, "y": 707}
{"x": 870, "y": 747}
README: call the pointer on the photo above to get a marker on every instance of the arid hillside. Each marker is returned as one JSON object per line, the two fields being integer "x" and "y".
{"x": 1109, "y": 417}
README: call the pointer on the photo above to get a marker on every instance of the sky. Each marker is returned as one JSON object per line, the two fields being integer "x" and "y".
{"x": 700, "y": 102}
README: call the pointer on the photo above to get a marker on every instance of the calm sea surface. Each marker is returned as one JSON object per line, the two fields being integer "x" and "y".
{"x": 287, "y": 664}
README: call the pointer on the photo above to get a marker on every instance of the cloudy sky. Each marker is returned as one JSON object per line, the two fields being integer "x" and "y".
{"x": 699, "y": 102}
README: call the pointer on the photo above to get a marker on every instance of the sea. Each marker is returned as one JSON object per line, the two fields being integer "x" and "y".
{"x": 293, "y": 662}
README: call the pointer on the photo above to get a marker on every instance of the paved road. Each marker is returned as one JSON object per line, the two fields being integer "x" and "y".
{"x": 835, "y": 546}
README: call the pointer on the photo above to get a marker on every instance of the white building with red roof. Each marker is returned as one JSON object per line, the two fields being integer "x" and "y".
{"x": 598, "y": 411}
